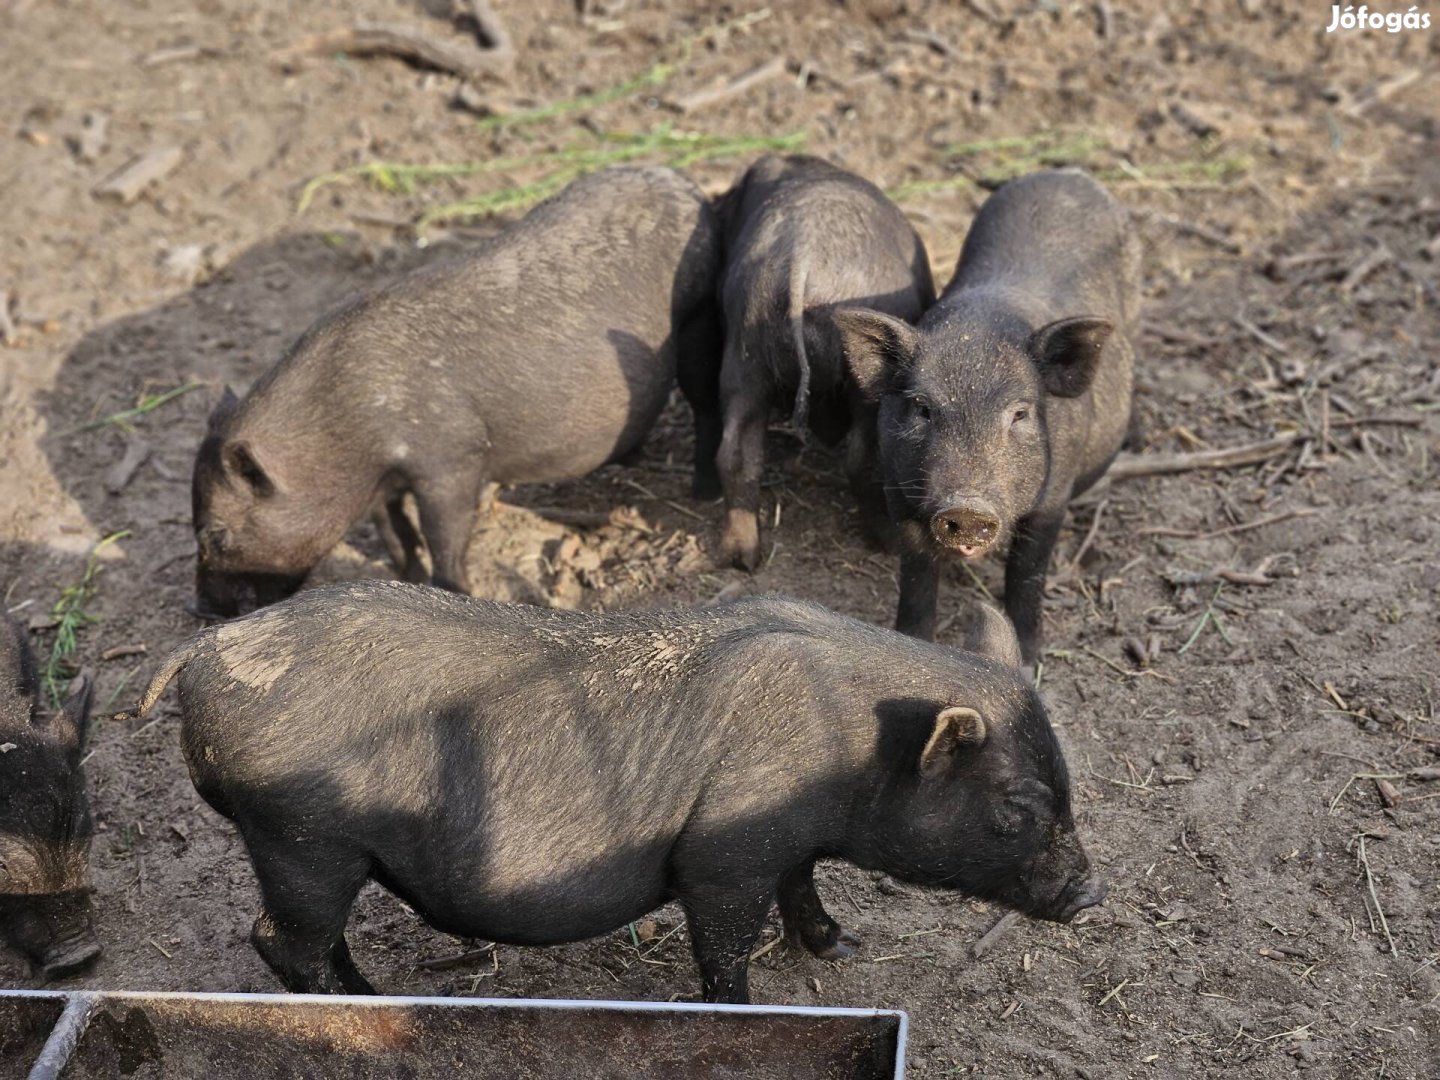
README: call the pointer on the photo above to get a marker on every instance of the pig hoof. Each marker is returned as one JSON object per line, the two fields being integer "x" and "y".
{"x": 740, "y": 540}
{"x": 842, "y": 947}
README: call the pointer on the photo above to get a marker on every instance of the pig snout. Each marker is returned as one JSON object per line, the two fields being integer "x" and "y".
{"x": 70, "y": 955}
{"x": 967, "y": 527}
{"x": 54, "y": 929}
{"x": 1079, "y": 893}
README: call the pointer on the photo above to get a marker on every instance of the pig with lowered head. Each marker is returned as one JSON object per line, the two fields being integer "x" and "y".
{"x": 534, "y": 776}
{"x": 540, "y": 356}
{"x": 45, "y": 822}
{"x": 801, "y": 238}
{"x": 1013, "y": 393}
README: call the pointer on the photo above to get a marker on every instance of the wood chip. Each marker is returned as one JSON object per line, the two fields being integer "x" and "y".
{"x": 1389, "y": 795}
{"x": 130, "y": 182}
{"x": 120, "y": 651}
{"x": 137, "y": 450}
{"x": 94, "y": 136}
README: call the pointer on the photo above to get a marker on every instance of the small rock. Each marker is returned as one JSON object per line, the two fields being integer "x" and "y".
{"x": 184, "y": 264}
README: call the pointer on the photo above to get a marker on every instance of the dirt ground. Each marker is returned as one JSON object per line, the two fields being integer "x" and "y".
{"x": 1287, "y": 184}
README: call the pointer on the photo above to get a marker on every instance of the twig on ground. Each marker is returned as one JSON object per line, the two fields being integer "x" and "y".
{"x": 713, "y": 95}
{"x": 989, "y": 939}
{"x": 446, "y": 963}
{"x": 1259, "y": 523}
{"x": 1090, "y": 534}
{"x": 1374, "y": 898}
{"x": 1129, "y": 465}
{"x": 1270, "y": 341}
{"x": 643, "y": 490}
{"x": 1364, "y": 268}
{"x": 1195, "y": 229}
{"x": 929, "y": 38}
{"x": 408, "y": 43}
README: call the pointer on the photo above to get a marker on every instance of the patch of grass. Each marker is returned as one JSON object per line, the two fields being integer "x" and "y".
{"x": 665, "y": 147}
{"x": 987, "y": 163}
{"x": 70, "y": 617}
{"x": 147, "y": 405}
{"x": 657, "y": 75}
{"x": 559, "y": 167}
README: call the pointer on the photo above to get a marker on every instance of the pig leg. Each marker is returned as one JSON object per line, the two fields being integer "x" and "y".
{"x": 741, "y": 460}
{"x": 698, "y": 371}
{"x": 919, "y": 592}
{"x": 806, "y": 920}
{"x": 447, "y": 517}
{"x": 1025, "y": 571}
{"x": 869, "y": 491}
{"x": 724, "y": 924}
{"x": 305, "y": 899}
{"x": 401, "y": 540}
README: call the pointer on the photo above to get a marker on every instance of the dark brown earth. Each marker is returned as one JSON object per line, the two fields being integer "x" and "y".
{"x": 1287, "y": 183}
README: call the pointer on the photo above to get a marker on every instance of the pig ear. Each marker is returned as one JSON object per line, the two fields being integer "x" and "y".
{"x": 224, "y": 408}
{"x": 1068, "y": 351}
{"x": 71, "y": 724}
{"x": 956, "y": 728}
{"x": 988, "y": 631}
{"x": 877, "y": 347}
{"x": 241, "y": 463}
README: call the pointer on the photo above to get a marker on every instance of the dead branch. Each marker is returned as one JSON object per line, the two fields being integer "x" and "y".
{"x": 1129, "y": 465}
{"x": 1195, "y": 229}
{"x": 408, "y": 43}
{"x": 994, "y": 934}
{"x": 1259, "y": 523}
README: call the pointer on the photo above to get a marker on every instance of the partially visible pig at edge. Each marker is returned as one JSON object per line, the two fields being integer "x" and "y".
{"x": 1012, "y": 395}
{"x": 540, "y": 356}
{"x": 45, "y": 824}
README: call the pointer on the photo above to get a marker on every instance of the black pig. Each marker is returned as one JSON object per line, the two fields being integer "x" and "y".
{"x": 536, "y": 776}
{"x": 540, "y": 356}
{"x": 45, "y": 822}
{"x": 1012, "y": 395}
{"x": 801, "y": 237}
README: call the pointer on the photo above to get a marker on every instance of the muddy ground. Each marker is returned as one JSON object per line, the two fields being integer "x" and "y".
{"x": 1287, "y": 184}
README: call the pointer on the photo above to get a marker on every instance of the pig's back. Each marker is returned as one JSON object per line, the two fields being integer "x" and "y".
{"x": 1059, "y": 236}
{"x": 546, "y": 349}
{"x": 850, "y": 243}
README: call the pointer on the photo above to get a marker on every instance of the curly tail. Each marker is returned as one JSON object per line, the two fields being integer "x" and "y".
{"x": 800, "y": 417}
{"x": 176, "y": 659}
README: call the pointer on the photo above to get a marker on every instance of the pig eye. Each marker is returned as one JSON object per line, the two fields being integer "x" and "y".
{"x": 1020, "y": 415}
{"x": 922, "y": 408}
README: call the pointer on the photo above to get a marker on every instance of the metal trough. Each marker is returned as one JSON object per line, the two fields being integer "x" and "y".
{"x": 48, "y": 1035}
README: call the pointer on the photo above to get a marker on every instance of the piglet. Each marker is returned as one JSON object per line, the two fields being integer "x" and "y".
{"x": 45, "y": 824}
{"x": 539, "y": 356}
{"x": 1011, "y": 396}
